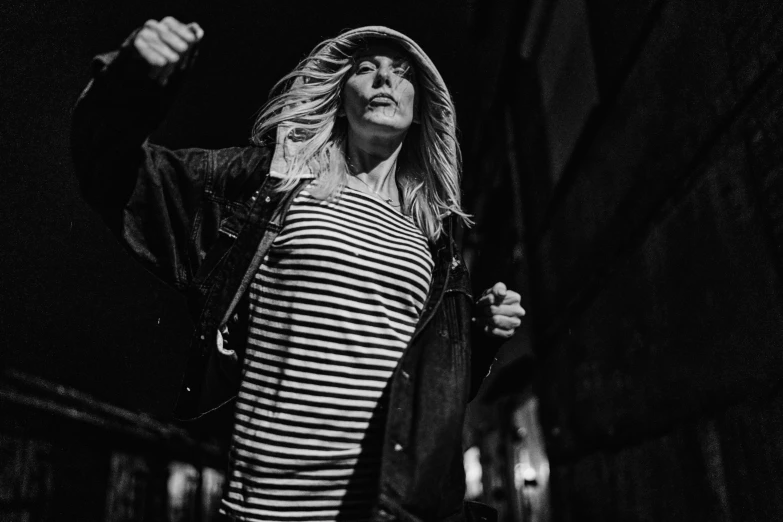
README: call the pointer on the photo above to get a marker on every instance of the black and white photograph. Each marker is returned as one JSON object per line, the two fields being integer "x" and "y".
{"x": 412, "y": 261}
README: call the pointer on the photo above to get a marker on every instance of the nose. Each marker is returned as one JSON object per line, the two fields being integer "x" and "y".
{"x": 383, "y": 76}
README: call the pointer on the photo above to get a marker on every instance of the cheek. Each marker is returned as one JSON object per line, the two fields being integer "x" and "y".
{"x": 350, "y": 98}
{"x": 409, "y": 97}
{"x": 351, "y": 91}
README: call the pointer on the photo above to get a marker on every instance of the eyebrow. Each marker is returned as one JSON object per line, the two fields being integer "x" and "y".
{"x": 395, "y": 58}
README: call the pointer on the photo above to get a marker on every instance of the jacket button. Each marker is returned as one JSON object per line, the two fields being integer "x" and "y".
{"x": 398, "y": 447}
{"x": 267, "y": 199}
{"x": 202, "y": 337}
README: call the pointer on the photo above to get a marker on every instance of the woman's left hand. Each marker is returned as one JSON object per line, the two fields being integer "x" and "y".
{"x": 498, "y": 312}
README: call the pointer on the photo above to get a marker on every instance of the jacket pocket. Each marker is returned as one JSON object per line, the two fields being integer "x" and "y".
{"x": 230, "y": 226}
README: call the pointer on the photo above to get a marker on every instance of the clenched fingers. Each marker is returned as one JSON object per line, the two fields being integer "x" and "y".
{"x": 498, "y": 311}
{"x": 499, "y": 332}
{"x": 180, "y": 34}
{"x": 491, "y": 297}
{"x": 510, "y": 310}
{"x": 166, "y": 45}
{"x": 501, "y": 327}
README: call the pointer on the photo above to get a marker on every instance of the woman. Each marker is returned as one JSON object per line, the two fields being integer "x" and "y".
{"x": 320, "y": 268}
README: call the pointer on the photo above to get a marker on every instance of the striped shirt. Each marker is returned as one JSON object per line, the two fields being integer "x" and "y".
{"x": 332, "y": 308}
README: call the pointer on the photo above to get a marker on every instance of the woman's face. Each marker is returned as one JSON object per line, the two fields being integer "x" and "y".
{"x": 379, "y": 97}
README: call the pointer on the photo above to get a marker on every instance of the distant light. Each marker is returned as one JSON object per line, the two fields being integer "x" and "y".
{"x": 474, "y": 487}
{"x": 182, "y": 486}
{"x": 525, "y": 475}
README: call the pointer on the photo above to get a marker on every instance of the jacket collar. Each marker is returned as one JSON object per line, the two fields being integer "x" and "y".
{"x": 287, "y": 144}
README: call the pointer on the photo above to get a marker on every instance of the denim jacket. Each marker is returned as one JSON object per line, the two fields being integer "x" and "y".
{"x": 202, "y": 220}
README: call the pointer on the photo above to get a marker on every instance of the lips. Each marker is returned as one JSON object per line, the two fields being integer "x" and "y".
{"x": 382, "y": 97}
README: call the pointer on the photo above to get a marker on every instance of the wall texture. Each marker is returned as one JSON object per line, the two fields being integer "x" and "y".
{"x": 651, "y": 170}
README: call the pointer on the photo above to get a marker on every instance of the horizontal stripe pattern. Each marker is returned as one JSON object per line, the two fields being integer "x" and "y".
{"x": 332, "y": 308}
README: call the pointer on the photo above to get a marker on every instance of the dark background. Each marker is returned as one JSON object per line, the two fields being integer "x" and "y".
{"x": 73, "y": 307}
{"x": 624, "y": 160}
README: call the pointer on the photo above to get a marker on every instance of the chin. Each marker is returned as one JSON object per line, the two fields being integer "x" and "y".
{"x": 387, "y": 126}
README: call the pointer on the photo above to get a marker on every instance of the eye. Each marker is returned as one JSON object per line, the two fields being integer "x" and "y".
{"x": 365, "y": 67}
{"x": 403, "y": 70}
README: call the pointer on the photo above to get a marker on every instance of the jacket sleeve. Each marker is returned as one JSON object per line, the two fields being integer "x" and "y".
{"x": 148, "y": 196}
{"x": 484, "y": 350}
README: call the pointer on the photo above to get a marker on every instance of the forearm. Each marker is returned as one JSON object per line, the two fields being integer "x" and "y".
{"x": 484, "y": 349}
{"x": 111, "y": 121}
{"x": 146, "y": 194}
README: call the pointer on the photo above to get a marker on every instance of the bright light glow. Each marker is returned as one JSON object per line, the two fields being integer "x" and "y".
{"x": 182, "y": 486}
{"x": 523, "y": 471}
{"x": 474, "y": 488}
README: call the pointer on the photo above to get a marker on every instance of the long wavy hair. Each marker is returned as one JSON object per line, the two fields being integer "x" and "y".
{"x": 307, "y": 100}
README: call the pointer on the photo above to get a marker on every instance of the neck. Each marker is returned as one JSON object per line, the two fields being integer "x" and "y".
{"x": 374, "y": 161}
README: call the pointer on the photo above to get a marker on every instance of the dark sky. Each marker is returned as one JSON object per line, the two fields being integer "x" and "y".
{"x": 73, "y": 307}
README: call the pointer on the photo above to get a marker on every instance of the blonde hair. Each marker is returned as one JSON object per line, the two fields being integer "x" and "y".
{"x": 307, "y": 101}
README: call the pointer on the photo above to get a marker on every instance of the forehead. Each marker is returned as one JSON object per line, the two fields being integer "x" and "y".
{"x": 383, "y": 48}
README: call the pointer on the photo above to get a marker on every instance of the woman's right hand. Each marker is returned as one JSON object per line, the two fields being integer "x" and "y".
{"x": 167, "y": 45}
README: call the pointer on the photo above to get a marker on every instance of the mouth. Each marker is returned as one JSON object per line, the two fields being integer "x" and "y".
{"x": 383, "y": 99}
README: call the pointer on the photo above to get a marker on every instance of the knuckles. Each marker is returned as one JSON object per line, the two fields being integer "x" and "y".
{"x": 146, "y": 33}
{"x": 502, "y": 321}
{"x": 505, "y": 334}
{"x": 169, "y": 27}
{"x": 162, "y": 44}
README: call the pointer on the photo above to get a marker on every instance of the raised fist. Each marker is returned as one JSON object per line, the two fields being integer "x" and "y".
{"x": 167, "y": 46}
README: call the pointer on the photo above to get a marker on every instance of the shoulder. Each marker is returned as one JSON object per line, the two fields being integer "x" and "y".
{"x": 237, "y": 172}
{"x": 238, "y": 160}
